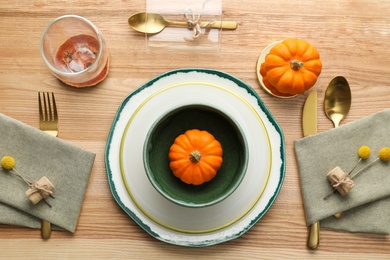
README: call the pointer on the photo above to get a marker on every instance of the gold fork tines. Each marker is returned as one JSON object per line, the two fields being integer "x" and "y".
{"x": 48, "y": 117}
{"x": 48, "y": 122}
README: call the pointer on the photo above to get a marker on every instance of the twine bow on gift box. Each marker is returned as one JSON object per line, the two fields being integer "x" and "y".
{"x": 340, "y": 181}
{"x": 38, "y": 190}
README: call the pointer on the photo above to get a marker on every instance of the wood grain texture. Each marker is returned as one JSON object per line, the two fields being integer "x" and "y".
{"x": 352, "y": 37}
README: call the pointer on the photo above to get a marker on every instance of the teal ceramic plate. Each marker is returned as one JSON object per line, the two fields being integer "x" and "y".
{"x": 164, "y": 219}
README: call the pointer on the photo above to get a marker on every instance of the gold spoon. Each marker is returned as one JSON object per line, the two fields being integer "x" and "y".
{"x": 337, "y": 100}
{"x": 337, "y": 103}
{"x": 155, "y": 23}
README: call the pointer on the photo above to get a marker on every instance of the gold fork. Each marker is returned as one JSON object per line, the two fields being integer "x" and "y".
{"x": 48, "y": 122}
{"x": 48, "y": 117}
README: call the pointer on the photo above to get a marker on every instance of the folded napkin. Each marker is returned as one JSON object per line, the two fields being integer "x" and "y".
{"x": 38, "y": 154}
{"x": 366, "y": 206}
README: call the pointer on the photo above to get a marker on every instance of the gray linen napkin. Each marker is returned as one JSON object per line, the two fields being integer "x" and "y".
{"x": 367, "y": 206}
{"x": 38, "y": 154}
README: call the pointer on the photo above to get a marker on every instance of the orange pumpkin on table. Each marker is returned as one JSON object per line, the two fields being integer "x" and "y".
{"x": 292, "y": 66}
{"x": 195, "y": 156}
{"x": 268, "y": 85}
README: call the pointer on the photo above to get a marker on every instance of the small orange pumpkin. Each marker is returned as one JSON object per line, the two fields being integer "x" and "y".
{"x": 293, "y": 66}
{"x": 268, "y": 85}
{"x": 195, "y": 157}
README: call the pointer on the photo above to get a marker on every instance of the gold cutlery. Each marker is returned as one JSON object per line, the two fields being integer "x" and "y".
{"x": 309, "y": 126}
{"x": 48, "y": 117}
{"x": 337, "y": 100}
{"x": 48, "y": 122}
{"x": 337, "y": 103}
{"x": 155, "y": 23}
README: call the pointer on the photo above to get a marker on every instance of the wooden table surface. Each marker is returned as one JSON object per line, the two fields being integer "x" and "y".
{"x": 352, "y": 37}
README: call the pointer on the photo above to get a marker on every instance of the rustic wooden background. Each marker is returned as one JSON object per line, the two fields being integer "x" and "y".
{"x": 352, "y": 37}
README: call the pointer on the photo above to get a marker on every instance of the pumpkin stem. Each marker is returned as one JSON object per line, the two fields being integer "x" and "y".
{"x": 195, "y": 156}
{"x": 296, "y": 64}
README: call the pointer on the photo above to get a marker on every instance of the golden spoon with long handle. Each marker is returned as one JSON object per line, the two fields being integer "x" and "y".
{"x": 155, "y": 23}
{"x": 337, "y": 103}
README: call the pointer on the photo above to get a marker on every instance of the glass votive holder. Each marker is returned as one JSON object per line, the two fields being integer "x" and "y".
{"x": 198, "y": 29}
{"x": 75, "y": 52}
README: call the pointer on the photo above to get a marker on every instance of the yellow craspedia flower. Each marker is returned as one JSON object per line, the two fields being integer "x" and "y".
{"x": 364, "y": 152}
{"x": 384, "y": 154}
{"x": 7, "y": 162}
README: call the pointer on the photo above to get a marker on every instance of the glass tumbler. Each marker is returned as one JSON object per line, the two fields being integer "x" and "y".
{"x": 75, "y": 52}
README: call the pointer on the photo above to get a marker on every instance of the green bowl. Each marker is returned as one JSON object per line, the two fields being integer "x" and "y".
{"x": 174, "y": 123}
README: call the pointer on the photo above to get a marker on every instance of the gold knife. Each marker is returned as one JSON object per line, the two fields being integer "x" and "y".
{"x": 309, "y": 126}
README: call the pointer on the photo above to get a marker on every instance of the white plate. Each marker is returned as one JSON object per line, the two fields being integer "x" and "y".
{"x": 194, "y": 226}
{"x": 163, "y": 211}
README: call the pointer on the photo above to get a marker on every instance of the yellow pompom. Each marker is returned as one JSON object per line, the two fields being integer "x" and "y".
{"x": 384, "y": 154}
{"x": 364, "y": 152}
{"x": 8, "y": 162}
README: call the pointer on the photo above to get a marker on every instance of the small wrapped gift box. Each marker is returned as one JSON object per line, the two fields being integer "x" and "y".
{"x": 39, "y": 190}
{"x": 340, "y": 180}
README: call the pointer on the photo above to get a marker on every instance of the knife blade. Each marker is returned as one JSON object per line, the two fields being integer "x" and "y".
{"x": 309, "y": 127}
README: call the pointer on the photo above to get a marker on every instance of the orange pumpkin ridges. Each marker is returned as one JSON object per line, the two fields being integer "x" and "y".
{"x": 268, "y": 85}
{"x": 195, "y": 156}
{"x": 292, "y": 66}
